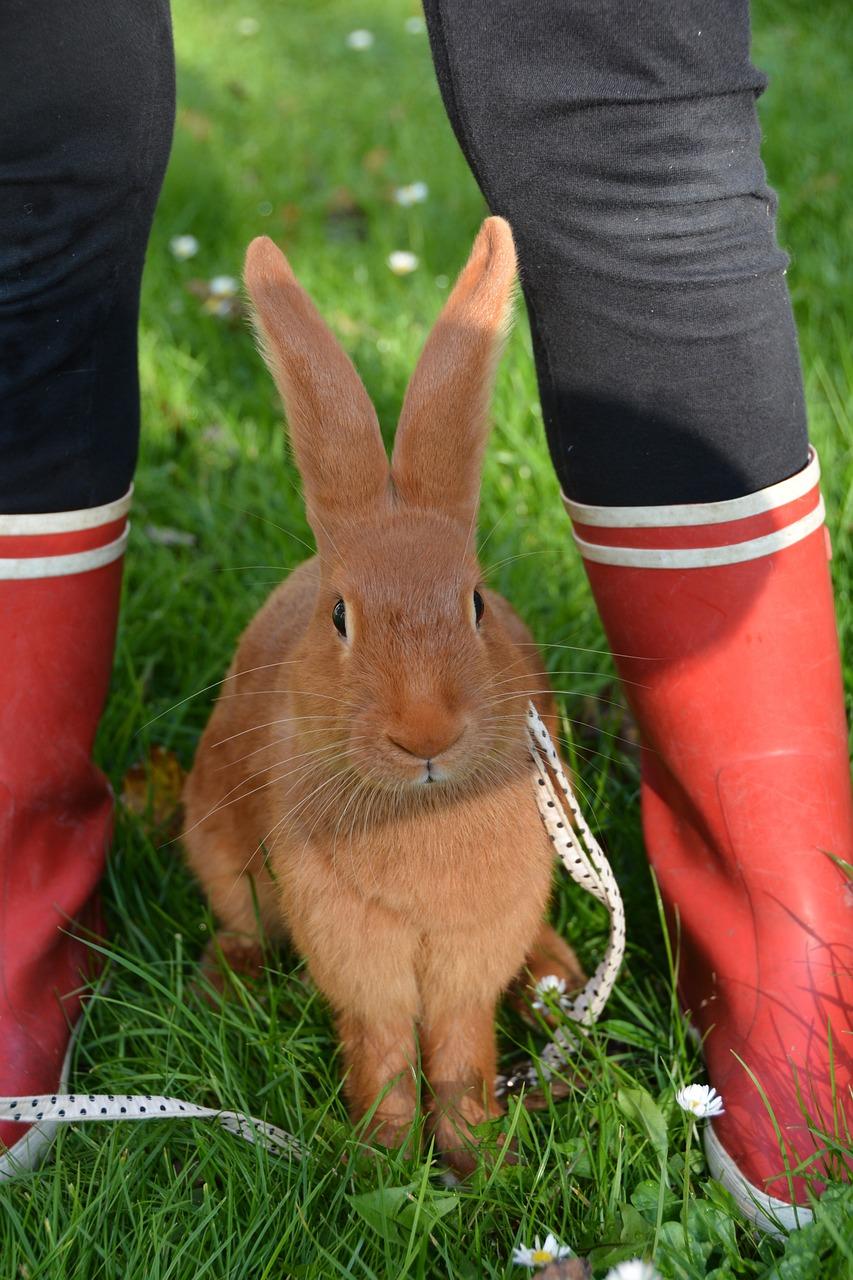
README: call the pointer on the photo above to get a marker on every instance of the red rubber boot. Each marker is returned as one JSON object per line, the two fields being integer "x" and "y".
{"x": 736, "y": 686}
{"x": 60, "y": 577}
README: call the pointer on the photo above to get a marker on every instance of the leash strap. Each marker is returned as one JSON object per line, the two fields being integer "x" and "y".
{"x": 582, "y": 857}
{"x": 77, "y": 1108}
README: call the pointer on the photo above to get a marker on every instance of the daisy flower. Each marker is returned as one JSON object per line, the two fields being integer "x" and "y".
{"x": 541, "y": 1254}
{"x": 549, "y": 986}
{"x": 223, "y": 287}
{"x": 247, "y": 27}
{"x": 360, "y": 39}
{"x": 633, "y": 1269}
{"x": 415, "y": 26}
{"x": 183, "y": 247}
{"x": 402, "y": 263}
{"x": 412, "y": 193}
{"x": 220, "y": 296}
{"x": 701, "y": 1100}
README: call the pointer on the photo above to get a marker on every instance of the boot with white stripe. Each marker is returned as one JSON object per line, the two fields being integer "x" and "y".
{"x": 60, "y": 579}
{"x": 727, "y": 611}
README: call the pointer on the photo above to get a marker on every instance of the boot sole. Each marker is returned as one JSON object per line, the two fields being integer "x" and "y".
{"x": 774, "y": 1217}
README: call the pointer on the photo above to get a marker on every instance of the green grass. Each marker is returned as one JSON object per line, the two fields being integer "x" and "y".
{"x": 271, "y": 127}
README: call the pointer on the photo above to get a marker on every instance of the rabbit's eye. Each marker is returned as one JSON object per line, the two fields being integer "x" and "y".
{"x": 339, "y": 617}
{"x": 479, "y": 607}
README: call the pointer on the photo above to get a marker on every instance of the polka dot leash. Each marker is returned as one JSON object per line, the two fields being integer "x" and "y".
{"x": 582, "y": 857}
{"x": 76, "y": 1108}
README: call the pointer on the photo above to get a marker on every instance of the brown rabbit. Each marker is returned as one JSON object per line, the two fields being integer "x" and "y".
{"x": 364, "y": 784}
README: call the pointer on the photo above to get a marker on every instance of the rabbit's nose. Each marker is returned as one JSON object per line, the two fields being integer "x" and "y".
{"x": 428, "y": 731}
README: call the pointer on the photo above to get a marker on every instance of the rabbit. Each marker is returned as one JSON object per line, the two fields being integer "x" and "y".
{"x": 363, "y": 787}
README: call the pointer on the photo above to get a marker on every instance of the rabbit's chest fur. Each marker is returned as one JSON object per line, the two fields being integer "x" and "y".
{"x": 473, "y": 862}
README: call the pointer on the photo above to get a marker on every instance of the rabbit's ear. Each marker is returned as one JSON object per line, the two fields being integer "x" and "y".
{"x": 443, "y": 426}
{"x": 333, "y": 425}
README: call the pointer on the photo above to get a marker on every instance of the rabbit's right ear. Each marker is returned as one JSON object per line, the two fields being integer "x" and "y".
{"x": 333, "y": 425}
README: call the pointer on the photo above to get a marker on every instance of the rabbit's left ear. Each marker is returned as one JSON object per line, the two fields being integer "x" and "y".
{"x": 441, "y": 436}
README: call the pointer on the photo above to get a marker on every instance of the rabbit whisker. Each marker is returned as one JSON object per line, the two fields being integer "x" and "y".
{"x": 579, "y": 648}
{"x": 325, "y": 749}
{"x": 350, "y": 787}
{"x": 501, "y": 517}
{"x": 293, "y": 810}
{"x": 584, "y": 724}
{"x": 521, "y": 555}
{"x": 251, "y": 693}
{"x": 331, "y": 715}
{"x": 240, "y": 568}
{"x": 579, "y": 782}
{"x": 471, "y": 527}
{"x": 566, "y": 671}
{"x": 359, "y": 792}
{"x": 256, "y": 515}
{"x": 531, "y": 693}
{"x": 316, "y": 729}
{"x": 329, "y": 748}
{"x": 231, "y": 676}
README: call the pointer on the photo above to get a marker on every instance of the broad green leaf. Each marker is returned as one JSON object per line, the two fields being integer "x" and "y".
{"x": 429, "y": 1211}
{"x": 577, "y": 1157}
{"x": 381, "y": 1208}
{"x": 635, "y": 1229}
{"x": 639, "y": 1106}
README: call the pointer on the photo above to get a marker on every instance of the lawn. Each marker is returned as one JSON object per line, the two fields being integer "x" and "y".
{"x": 287, "y": 130}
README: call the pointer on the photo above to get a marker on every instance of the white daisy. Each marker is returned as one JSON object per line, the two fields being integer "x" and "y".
{"x": 403, "y": 263}
{"x": 549, "y": 986}
{"x": 415, "y": 26}
{"x": 222, "y": 307}
{"x": 360, "y": 39}
{"x": 223, "y": 287}
{"x": 412, "y": 193}
{"x": 701, "y": 1100}
{"x": 633, "y": 1269}
{"x": 183, "y": 247}
{"x": 248, "y": 27}
{"x": 541, "y": 1254}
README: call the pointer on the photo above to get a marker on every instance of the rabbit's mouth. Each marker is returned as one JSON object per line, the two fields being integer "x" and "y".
{"x": 420, "y": 769}
{"x": 421, "y": 773}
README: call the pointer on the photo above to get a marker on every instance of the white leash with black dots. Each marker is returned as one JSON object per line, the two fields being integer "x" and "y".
{"x": 582, "y": 857}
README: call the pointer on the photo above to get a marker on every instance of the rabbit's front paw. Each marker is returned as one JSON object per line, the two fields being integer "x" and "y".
{"x": 454, "y": 1126}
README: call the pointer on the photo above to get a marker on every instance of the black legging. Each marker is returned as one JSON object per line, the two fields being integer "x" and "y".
{"x": 85, "y": 128}
{"x": 620, "y": 140}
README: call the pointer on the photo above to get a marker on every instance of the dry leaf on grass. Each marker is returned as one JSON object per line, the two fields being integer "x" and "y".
{"x": 375, "y": 160}
{"x": 152, "y": 790}
{"x": 196, "y": 123}
{"x": 165, "y": 536}
{"x": 346, "y": 217}
{"x": 289, "y": 215}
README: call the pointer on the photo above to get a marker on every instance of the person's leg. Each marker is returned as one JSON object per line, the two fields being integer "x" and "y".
{"x": 84, "y": 138}
{"x": 621, "y": 143}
